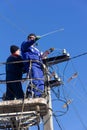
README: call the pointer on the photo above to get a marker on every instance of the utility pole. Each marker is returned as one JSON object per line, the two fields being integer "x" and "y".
{"x": 48, "y": 120}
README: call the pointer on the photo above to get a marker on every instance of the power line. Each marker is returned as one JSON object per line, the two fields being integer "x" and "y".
{"x": 12, "y": 23}
{"x": 79, "y": 55}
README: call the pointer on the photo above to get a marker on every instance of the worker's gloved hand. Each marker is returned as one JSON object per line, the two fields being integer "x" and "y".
{"x": 37, "y": 38}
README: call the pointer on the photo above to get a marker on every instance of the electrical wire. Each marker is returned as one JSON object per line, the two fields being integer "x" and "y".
{"x": 85, "y": 53}
{"x": 56, "y": 119}
{"x": 62, "y": 100}
{"x": 79, "y": 117}
{"x": 12, "y": 23}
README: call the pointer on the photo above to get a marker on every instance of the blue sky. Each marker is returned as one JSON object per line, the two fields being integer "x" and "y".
{"x": 18, "y": 18}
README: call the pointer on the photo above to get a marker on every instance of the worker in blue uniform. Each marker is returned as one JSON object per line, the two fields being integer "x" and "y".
{"x": 14, "y": 75}
{"x": 35, "y": 68}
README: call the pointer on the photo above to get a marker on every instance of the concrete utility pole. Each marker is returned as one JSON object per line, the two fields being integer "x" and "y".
{"x": 48, "y": 120}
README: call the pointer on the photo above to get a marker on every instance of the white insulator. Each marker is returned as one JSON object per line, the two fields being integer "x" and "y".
{"x": 64, "y": 51}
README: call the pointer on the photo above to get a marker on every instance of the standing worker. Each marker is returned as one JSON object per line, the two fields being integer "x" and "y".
{"x": 34, "y": 68}
{"x": 14, "y": 73}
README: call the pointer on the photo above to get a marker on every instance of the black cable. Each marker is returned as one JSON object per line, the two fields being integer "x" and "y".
{"x": 38, "y": 127}
{"x": 57, "y": 121}
{"x": 78, "y": 55}
{"x": 61, "y": 101}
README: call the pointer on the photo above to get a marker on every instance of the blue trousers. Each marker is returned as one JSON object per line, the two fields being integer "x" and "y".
{"x": 37, "y": 76}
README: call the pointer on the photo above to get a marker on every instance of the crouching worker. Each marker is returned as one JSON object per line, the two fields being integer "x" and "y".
{"x": 34, "y": 68}
{"x": 14, "y": 75}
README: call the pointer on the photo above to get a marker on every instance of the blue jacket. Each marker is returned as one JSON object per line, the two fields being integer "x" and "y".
{"x": 29, "y": 52}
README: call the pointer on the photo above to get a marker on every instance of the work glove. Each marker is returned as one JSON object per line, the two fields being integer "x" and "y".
{"x": 37, "y": 38}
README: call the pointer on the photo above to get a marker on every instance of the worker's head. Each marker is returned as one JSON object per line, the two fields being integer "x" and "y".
{"x": 14, "y": 49}
{"x": 31, "y": 36}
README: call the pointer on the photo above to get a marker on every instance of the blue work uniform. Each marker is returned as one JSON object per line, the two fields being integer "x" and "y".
{"x": 35, "y": 69}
